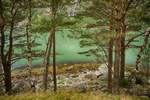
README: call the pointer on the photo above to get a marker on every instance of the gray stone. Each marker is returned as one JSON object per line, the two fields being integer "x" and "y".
{"x": 74, "y": 75}
{"x": 91, "y": 76}
{"x": 81, "y": 88}
{"x": 22, "y": 85}
{"x": 102, "y": 72}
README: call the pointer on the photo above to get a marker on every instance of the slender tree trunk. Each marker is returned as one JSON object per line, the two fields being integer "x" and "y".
{"x": 3, "y": 57}
{"x": 7, "y": 79}
{"x": 117, "y": 65}
{"x": 44, "y": 64}
{"x": 147, "y": 34}
{"x": 54, "y": 10}
{"x": 1, "y": 76}
{"x": 122, "y": 67}
{"x": 7, "y": 69}
{"x": 47, "y": 62}
{"x": 1, "y": 69}
{"x": 123, "y": 46}
{"x": 29, "y": 41}
{"x": 54, "y": 57}
{"x": 117, "y": 48}
{"x": 110, "y": 59}
{"x": 110, "y": 62}
{"x": 6, "y": 58}
{"x": 2, "y": 26}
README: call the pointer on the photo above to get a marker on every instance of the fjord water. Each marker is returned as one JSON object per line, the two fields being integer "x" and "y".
{"x": 67, "y": 50}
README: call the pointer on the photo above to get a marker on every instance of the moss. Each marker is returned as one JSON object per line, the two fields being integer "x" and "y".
{"x": 70, "y": 96}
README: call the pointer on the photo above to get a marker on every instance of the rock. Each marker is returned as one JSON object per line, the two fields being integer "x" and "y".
{"x": 38, "y": 87}
{"x": 90, "y": 76}
{"x": 103, "y": 88}
{"x": 81, "y": 88}
{"x": 21, "y": 86}
{"x": 74, "y": 75}
{"x": 96, "y": 85}
{"x": 102, "y": 72}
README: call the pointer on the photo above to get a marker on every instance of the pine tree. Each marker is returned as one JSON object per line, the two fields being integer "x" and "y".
{"x": 110, "y": 50}
{"x": 6, "y": 58}
{"x": 29, "y": 41}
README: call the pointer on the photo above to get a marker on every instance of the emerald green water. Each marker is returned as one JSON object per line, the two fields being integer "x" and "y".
{"x": 68, "y": 49}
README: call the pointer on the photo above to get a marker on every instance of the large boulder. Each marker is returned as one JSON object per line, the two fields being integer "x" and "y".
{"x": 102, "y": 72}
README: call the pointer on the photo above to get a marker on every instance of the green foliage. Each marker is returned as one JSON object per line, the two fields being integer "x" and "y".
{"x": 41, "y": 23}
{"x": 144, "y": 14}
{"x": 126, "y": 82}
{"x": 138, "y": 17}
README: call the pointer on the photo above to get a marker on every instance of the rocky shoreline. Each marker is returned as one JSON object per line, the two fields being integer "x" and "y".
{"x": 86, "y": 80}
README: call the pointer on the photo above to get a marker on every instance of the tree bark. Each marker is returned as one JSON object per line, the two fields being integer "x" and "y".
{"x": 54, "y": 10}
{"x": 123, "y": 46}
{"x": 1, "y": 75}
{"x": 117, "y": 48}
{"x": 29, "y": 41}
{"x": 110, "y": 62}
{"x": 110, "y": 59}
{"x": 47, "y": 61}
{"x": 3, "y": 58}
{"x": 6, "y": 58}
{"x": 122, "y": 67}
{"x": 7, "y": 79}
{"x": 54, "y": 55}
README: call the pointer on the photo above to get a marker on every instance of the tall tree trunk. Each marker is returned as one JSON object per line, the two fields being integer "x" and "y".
{"x": 54, "y": 56}
{"x": 2, "y": 29}
{"x": 47, "y": 61}
{"x": 7, "y": 69}
{"x": 3, "y": 57}
{"x": 110, "y": 59}
{"x": 6, "y": 58}
{"x": 124, "y": 29}
{"x": 29, "y": 41}
{"x": 117, "y": 48}
{"x": 122, "y": 67}
{"x": 2, "y": 26}
{"x": 54, "y": 10}
{"x": 147, "y": 34}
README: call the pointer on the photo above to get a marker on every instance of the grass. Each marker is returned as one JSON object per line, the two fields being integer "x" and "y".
{"x": 71, "y": 96}
{"x": 61, "y": 69}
